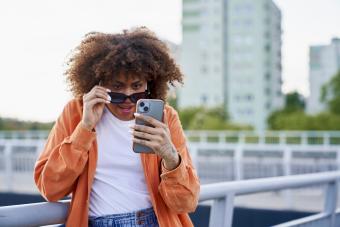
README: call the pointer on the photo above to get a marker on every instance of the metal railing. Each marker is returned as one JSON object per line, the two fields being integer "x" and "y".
{"x": 223, "y": 161}
{"x": 215, "y": 161}
{"x": 244, "y": 137}
{"x": 222, "y": 194}
{"x": 266, "y": 137}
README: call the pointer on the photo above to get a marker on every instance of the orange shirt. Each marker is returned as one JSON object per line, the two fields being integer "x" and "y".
{"x": 68, "y": 162}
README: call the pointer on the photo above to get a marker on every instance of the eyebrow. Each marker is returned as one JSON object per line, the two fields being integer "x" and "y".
{"x": 120, "y": 82}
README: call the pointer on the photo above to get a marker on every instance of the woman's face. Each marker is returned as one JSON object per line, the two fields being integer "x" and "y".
{"x": 126, "y": 84}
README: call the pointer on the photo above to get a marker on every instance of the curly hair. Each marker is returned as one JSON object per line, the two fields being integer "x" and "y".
{"x": 138, "y": 52}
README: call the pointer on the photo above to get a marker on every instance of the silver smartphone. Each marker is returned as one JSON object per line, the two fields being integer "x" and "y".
{"x": 149, "y": 107}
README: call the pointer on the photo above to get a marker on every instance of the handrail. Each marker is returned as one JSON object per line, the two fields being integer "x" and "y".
{"x": 34, "y": 214}
{"x": 222, "y": 193}
{"x": 243, "y": 187}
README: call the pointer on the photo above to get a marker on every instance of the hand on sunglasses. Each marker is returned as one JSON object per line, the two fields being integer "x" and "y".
{"x": 93, "y": 106}
{"x": 158, "y": 138}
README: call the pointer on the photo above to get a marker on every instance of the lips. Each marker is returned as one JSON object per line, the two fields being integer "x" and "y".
{"x": 125, "y": 106}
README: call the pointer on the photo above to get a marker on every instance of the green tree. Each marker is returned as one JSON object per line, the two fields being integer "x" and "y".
{"x": 200, "y": 118}
{"x": 294, "y": 102}
{"x": 292, "y": 113}
{"x": 187, "y": 114}
{"x": 330, "y": 94}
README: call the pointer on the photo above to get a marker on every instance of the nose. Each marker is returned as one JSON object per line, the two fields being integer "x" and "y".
{"x": 128, "y": 92}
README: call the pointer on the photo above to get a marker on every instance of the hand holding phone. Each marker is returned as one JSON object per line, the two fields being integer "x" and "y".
{"x": 151, "y": 135}
{"x": 151, "y": 108}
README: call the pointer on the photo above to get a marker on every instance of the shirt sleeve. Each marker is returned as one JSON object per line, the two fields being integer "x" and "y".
{"x": 179, "y": 187}
{"x": 63, "y": 158}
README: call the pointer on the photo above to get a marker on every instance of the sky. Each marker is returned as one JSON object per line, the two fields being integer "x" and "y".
{"x": 37, "y": 37}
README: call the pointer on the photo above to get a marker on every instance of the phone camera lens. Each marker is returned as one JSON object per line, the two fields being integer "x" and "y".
{"x": 146, "y": 109}
{"x": 142, "y": 104}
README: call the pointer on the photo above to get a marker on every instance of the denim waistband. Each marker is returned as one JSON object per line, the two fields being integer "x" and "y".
{"x": 140, "y": 218}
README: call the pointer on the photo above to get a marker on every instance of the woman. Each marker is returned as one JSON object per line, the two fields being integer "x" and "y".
{"x": 89, "y": 154}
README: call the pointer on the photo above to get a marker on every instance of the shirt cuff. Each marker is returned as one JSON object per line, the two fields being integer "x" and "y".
{"x": 82, "y": 137}
{"x": 174, "y": 174}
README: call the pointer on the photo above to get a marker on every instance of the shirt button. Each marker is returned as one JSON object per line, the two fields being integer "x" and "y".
{"x": 139, "y": 213}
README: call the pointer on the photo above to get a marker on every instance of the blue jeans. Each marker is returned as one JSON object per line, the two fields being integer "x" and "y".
{"x": 141, "y": 218}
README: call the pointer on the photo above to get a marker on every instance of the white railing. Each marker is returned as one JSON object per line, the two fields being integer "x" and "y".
{"x": 215, "y": 162}
{"x": 243, "y": 137}
{"x": 224, "y": 161}
{"x": 222, "y": 194}
{"x": 266, "y": 137}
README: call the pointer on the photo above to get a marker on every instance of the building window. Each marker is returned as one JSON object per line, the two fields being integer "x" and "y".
{"x": 205, "y": 56}
{"x": 204, "y": 99}
{"x": 204, "y": 69}
{"x": 190, "y": 27}
{"x": 192, "y": 13}
{"x": 267, "y": 47}
{"x": 250, "y": 97}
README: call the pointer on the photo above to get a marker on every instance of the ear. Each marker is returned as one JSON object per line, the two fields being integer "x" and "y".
{"x": 148, "y": 89}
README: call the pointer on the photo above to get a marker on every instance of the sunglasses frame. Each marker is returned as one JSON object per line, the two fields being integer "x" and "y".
{"x": 123, "y": 97}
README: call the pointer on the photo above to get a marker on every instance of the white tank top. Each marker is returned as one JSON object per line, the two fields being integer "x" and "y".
{"x": 119, "y": 183}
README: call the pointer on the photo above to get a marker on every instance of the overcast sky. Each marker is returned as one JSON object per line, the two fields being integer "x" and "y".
{"x": 37, "y": 36}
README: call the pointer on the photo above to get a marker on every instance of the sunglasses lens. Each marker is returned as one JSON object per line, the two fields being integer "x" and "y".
{"x": 136, "y": 96}
{"x": 117, "y": 97}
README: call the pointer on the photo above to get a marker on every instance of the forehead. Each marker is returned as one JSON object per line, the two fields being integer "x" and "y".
{"x": 128, "y": 78}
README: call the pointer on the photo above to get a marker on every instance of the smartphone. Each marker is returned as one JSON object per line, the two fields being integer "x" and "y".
{"x": 149, "y": 107}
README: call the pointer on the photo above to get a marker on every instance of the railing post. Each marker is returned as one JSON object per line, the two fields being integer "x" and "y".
{"x": 238, "y": 162}
{"x": 287, "y": 162}
{"x": 262, "y": 137}
{"x": 241, "y": 138}
{"x": 304, "y": 139}
{"x": 221, "y": 137}
{"x": 8, "y": 166}
{"x": 338, "y": 159}
{"x": 331, "y": 198}
{"x": 282, "y": 138}
{"x": 221, "y": 213}
{"x": 203, "y": 137}
{"x": 326, "y": 140}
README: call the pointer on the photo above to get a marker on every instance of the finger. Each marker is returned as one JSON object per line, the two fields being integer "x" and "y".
{"x": 144, "y": 142}
{"x": 144, "y": 128}
{"x": 98, "y": 94}
{"x": 97, "y": 88}
{"x": 97, "y": 100}
{"x": 147, "y": 136}
{"x": 150, "y": 120}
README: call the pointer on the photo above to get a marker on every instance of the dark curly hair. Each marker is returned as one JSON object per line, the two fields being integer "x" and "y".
{"x": 100, "y": 57}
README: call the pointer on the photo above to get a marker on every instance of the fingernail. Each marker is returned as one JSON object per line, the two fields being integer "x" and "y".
{"x": 136, "y": 114}
{"x": 131, "y": 131}
{"x": 107, "y": 101}
{"x": 108, "y": 90}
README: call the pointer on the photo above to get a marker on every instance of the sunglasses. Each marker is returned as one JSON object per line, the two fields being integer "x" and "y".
{"x": 117, "y": 98}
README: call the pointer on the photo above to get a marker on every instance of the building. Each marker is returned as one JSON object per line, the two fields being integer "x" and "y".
{"x": 202, "y": 54}
{"x": 231, "y": 56}
{"x": 324, "y": 62}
